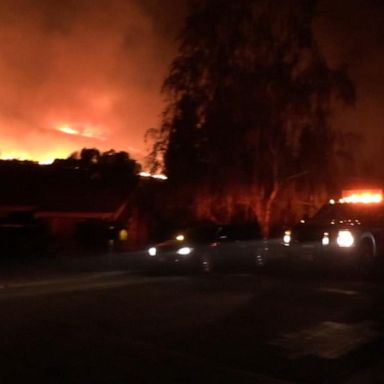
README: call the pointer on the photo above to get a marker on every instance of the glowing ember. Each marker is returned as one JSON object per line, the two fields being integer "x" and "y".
{"x": 68, "y": 130}
{"x": 46, "y": 161}
{"x": 154, "y": 176}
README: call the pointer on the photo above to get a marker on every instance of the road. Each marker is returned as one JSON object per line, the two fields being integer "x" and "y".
{"x": 119, "y": 326}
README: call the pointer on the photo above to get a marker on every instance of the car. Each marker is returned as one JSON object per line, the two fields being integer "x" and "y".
{"x": 208, "y": 248}
{"x": 238, "y": 247}
{"x": 344, "y": 232}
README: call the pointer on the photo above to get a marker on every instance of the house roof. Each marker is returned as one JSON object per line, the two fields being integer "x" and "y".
{"x": 62, "y": 192}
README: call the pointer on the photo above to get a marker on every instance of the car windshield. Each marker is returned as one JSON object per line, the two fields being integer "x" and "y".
{"x": 239, "y": 232}
{"x": 208, "y": 233}
{"x": 201, "y": 234}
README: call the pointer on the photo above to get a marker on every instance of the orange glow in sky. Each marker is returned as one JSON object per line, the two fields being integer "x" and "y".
{"x": 60, "y": 140}
{"x": 88, "y": 73}
{"x": 84, "y": 74}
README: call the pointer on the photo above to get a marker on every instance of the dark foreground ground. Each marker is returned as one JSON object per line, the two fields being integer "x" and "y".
{"x": 99, "y": 320}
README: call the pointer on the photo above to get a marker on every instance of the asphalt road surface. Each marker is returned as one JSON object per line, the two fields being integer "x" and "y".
{"x": 119, "y": 326}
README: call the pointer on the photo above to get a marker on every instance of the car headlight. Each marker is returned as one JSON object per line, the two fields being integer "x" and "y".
{"x": 184, "y": 251}
{"x": 325, "y": 239}
{"x": 345, "y": 239}
{"x": 152, "y": 251}
{"x": 287, "y": 238}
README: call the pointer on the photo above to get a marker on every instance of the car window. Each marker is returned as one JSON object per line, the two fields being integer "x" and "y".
{"x": 239, "y": 232}
{"x": 202, "y": 234}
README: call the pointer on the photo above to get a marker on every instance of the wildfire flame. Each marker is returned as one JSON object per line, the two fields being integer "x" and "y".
{"x": 43, "y": 160}
{"x": 58, "y": 139}
{"x": 83, "y": 130}
{"x": 68, "y": 130}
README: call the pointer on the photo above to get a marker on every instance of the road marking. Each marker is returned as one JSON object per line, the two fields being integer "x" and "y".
{"x": 61, "y": 280}
{"x": 77, "y": 284}
{"x": 339, "y": 291}
{"x": 328, "y": 340}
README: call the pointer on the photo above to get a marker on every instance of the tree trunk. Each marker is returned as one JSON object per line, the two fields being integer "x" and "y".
{"x": 267, "y": 214}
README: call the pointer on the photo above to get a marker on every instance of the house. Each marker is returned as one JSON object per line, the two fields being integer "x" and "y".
{"x": 75, "y": 207}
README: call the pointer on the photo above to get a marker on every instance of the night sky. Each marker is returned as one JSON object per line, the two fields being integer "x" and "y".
{"x": 88, "y": 73}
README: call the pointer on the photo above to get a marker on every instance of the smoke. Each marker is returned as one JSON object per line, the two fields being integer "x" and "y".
{"x": 351, "y": 32}
{"x": 95, "y": 66}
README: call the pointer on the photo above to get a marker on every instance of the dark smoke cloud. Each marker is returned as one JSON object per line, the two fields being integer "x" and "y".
{"x": 97, "y": 65}
{"x": 352, "y": 32}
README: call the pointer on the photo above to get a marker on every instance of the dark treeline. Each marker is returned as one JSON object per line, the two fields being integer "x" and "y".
{"x": 84, "y": 169}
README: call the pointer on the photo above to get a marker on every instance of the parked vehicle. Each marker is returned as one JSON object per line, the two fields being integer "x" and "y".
{"x": 349, "y": 231}
{"x": 208, "y": 248}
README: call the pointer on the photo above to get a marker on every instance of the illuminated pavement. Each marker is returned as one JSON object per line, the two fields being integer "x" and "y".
{"x": 118, "y": 326}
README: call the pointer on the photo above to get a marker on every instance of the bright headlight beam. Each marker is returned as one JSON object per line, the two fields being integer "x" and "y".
{"x": 325, "y": 239}
{"x": 152, "y": 251}
{"x": 184, "y": 251}
{"x": 345, "y": 239}
{"x": 287, "y": 237}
